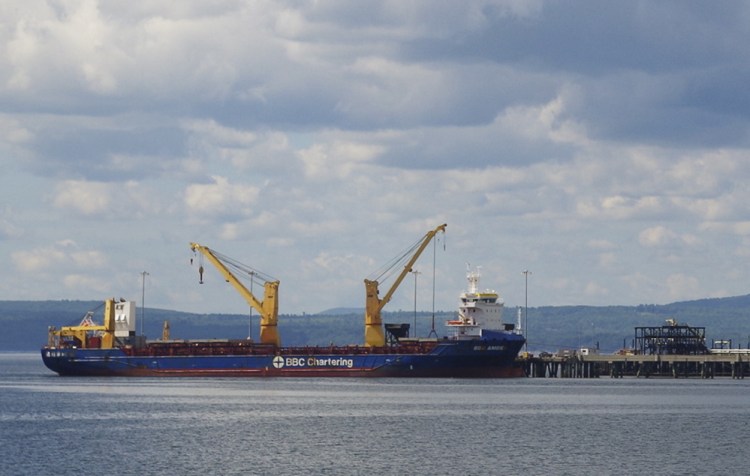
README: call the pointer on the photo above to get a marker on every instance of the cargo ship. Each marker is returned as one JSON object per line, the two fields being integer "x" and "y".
{"x": 477, "y": 344}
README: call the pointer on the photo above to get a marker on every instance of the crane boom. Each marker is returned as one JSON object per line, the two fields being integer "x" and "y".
{"x": 81, "y": 331}
{"x": 268, "y": 307}
{"x": 374, "y": 335}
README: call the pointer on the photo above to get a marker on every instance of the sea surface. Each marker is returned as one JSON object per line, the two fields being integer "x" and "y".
{"x": 51, "y": 425}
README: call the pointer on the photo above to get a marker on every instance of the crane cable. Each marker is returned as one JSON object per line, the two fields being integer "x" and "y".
{"x": 433, "y": 333}
{"x": 239, "y": 268}
{"x": 386, "y": 271}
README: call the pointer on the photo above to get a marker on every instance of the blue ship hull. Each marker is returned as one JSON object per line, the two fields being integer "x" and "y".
{"x": 490, "y": 357}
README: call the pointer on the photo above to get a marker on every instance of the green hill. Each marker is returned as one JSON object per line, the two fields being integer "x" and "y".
{"x": 550, "y": 328}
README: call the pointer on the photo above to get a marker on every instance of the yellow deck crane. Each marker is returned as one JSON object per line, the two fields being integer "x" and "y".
{"x": 118, "y": 322}
{"x": 374, "y": 334}
{"x": 268, "y": 306}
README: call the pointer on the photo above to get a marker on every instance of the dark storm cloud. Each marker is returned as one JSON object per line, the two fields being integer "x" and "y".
{"x": 594, "y": 37}
{"x": 92, "y": 153}
{"x": 663, "y": 73}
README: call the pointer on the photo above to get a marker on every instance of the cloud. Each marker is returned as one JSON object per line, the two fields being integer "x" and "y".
{"x": 65, "y": 252}
{"x": 104, "y": 149}
{"x": 682, "y": 287}
{"x": 9, "y": 229}
{"x": 389, "y": 65}
{"x": 220, "y": 197}
{"x": 77, "y": 282}
{"x": 566, "y": 138}
{"x": 595, "y": 290}
{"x": 600, "y": 244}
{"x": 83, "y": 197}
{"x": 661, "y": 236}
{"x": 38, "y": 259}
{"x": 337, "y": 160}
{"x": 12, "y": 131}
{"x": 96, "y": 200}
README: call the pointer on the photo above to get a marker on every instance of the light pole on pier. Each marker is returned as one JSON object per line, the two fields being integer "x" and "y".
{"x": 526, "y": 274}
{"x": 143, "y": 298}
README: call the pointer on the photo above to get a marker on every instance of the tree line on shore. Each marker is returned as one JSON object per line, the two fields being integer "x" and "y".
{"x": 548, "y": 328}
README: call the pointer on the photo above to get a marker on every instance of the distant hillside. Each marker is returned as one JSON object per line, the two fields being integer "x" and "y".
{"x": 613, "y": 327}
{"x": 338, "y": 311}
{"x": 551, "y": 328}
{"x": 25, "y": 324}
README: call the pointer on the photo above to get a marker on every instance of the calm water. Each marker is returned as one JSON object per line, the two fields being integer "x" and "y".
{"x": 54, "y": 425}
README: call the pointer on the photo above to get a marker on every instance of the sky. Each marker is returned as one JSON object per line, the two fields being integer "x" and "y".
{"x": 601, "y": 145}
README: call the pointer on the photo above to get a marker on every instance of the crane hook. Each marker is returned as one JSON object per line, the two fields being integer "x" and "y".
{"x": 200, "y": 272}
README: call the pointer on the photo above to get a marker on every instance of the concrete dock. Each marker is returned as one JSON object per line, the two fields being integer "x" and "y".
{"x": 734, "y": 364}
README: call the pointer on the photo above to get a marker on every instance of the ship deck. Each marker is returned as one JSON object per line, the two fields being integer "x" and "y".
{"x": 245, "y": 347}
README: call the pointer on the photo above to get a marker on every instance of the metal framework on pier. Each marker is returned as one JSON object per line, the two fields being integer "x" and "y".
{"x": 671, "y": 339}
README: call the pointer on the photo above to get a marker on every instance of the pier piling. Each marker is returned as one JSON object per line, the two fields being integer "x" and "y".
{"x": 706, "y": 366}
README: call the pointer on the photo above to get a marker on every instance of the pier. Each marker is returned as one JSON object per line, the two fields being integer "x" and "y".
{"x": 672, "y": 350}
{"x": 729, "y": 363}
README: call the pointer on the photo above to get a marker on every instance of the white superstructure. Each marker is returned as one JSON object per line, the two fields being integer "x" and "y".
{"x": 477, "y": 310}
{"x": 124, "y": 318}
